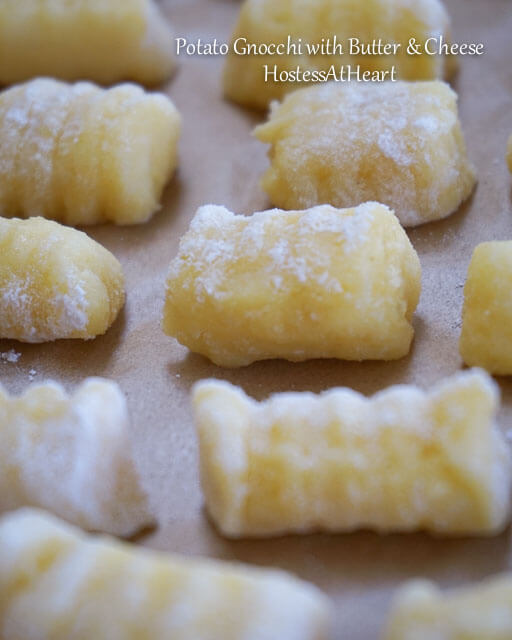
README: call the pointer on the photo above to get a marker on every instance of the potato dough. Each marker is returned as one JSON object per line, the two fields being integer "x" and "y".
{"x": 482, "y": 612}
{"x": 398, "y": 143}
{"x": 84, "y": 155}
{"x": 57, "y": 583}
{"x": 486, "y": 338}
{"x": 71, "y": 455}
{"x": 401, "y": 461}
{"x": 101, "y": 40}
{"x": 55, "y": 282}
{"x": 267, "y": 22}
{"x": 323, "y": 283}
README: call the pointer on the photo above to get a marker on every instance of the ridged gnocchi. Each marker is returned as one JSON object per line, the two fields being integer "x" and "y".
{"x": 84, "y": 155}
{"x": 106, "y": 41}
{"x": 313, "y": 22}
{"x": 57, "y": 583}
{"x": 70, "y": 454}
{"x": 402, "y": 460}
{"x": 321, "y": 283}
{"x": 486, "y": 337}
{"x": 395, "y": 142}
{"x": 55, "y": 282}
{"x": 480, "y": 612}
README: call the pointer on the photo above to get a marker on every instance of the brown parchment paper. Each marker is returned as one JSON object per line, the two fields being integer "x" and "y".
{"x": 222, "y": 164}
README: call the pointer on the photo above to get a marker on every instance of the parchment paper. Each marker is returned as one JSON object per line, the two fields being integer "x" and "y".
{"x": 222, "y": 164}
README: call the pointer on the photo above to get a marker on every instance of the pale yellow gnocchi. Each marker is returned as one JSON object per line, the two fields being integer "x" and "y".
{"x": 486, "y": 337}
{"x": 509, "y": 153}
{"x": 320, "y": 283}
{"x": 315, "y": 35}
{"x": 84, "y": 155}
{"x": 398, "y": 143}
{"x": 106, "y": 41}
{"x": 480, "y": 612}
{"x": 55, "y": 282}
{"x": 57, "y": 583}
{"x": 71, "y": 454}
{"x": 402, "y": 460}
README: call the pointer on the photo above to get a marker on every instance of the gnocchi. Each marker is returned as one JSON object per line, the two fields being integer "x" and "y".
{"x": 55, "y": 282}
{"x": 106, "y": 41}
{"x": 421, "y": 610}
{"x": 317, "y": 35}
{"x": 486, "y": 337}
{"x": 395, "y": 142}
{"x": 70, "y": 454}
{"x": 84, "y": 155}
{"x": 57, "y": 583}
{"x": 402, "y": 460}
{"x": 321, "y": 283}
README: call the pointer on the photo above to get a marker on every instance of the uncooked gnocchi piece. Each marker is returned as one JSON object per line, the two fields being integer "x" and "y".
{"x": 255, "y": 80}
{"x": 84, "y": 155}
{"x": 403, "y": 460}
{"x": 55, "y": 282}
{"x": 57, "y": 583}
{"x": 71, "y": 455}
{"x": 398, "y": 143}
{"x": 322, "y": 283}
{"x": 509, "y": 153}
{"x": 106, "y": 41}
{"x": 486, "y": 338}
{"x": 481, "y": 612}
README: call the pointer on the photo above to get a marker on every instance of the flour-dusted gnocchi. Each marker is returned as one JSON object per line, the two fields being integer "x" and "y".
{"x": 486, "y": 337}
{"x": 398, "y": 143}
{"x": 70, "y": 454}
{"x": 84, "y": 155}
{"x": 106, "y": 41}
{"x": 401, "y": 461}
{"x": 327, "y": 26}
{"x": 480, "y": 612}
{"x": 57, "y": 583}
{"x": 55, "y": 282}
{"x": 321, "y": 283}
